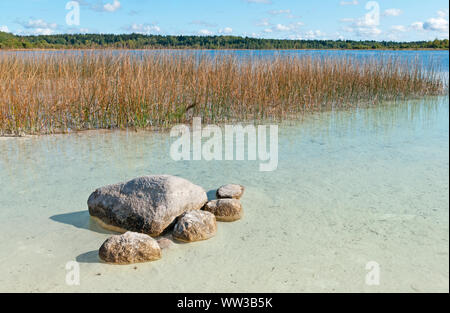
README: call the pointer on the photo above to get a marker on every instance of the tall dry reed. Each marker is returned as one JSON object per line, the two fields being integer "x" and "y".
{"x": 47, "y": 94}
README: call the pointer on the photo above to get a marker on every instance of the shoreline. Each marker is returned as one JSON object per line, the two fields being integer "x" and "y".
{"x": 165, "y": 130}
{"x": 208, "y": 49}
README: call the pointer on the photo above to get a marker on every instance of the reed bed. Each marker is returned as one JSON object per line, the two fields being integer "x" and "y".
{"x": 42, "y": 94}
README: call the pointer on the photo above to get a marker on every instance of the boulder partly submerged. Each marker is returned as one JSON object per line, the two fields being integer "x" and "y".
{"x": 164, "y": 243}
{"x": 195, "y": 226}
{"x": 146, "y": 204}
{"x": 225, "y": 210}
{"x": 130, "y": 248}
{"x": 230, "y": 191}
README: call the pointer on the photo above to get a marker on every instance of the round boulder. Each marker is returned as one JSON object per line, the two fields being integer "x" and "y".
{"x": 195, "y": 226}
{"x": 130, "y": 248}
{"x": 230, "y": 191}
{"x": 225, "y": 210}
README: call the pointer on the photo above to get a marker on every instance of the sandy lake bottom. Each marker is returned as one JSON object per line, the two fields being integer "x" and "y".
{"x": 351, "y": 187}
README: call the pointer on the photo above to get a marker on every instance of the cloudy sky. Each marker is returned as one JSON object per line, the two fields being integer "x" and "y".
{"x": 404, "y": 20}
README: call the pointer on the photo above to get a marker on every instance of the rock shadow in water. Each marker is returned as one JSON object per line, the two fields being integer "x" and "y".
{"x": 88, "y": 257}
{"x": 212, "y": 195}
{"x": 81, "y": 220}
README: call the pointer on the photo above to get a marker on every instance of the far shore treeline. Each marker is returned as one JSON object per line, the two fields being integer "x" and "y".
{"x": 139, "y": 41}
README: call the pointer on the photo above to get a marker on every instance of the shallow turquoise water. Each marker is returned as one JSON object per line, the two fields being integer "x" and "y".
{"x": 351, "y": 187}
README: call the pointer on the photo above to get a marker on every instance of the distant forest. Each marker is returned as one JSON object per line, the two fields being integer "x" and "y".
{"x": 139, "y": 41}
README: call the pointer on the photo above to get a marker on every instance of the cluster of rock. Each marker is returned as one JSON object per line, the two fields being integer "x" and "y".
{"x": 149, "y": 206}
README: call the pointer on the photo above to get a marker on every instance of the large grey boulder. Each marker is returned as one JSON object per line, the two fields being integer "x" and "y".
{"x": 230, "y": 191}
{"x": 146, "y": 205}
{"x": 130, "y": 248}
{"x": 225, "y": 210}
{"x": 195, "y": 226}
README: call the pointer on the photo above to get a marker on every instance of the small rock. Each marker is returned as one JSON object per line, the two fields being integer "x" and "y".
{"x": 225, "y": 210}
{"x": 130, "y": 248}
{"x": 164, "y": 243}
{"x": 230, "y": 191}
{"x": 195, "y": 225}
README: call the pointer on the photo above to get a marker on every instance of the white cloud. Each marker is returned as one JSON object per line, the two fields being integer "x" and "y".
{"x": 145, "y": 29}
{"x": 40, "y": 24}
{"x": 205, "y": 32}
{"x": 279, "y": 12}
{"x": 98, "y": 6}
{"x": 308, "y": 35}
{"x": 368, "y": 31}
{"x": 392, "y": 12}
{"x": 366, "y": 26}
{"x": 417, "y": 25}
{"x": 399, "y": 28}
{"x": 313, "y": 34}
{"x": 443, "y": 13}
{"x": 4, "y": 28}
{"x": 363, "y": 31}
{"x": 75, "y": 30}
{"x": 263, "y": 22}
{"x": 226, "y": 30}
{"x": 292, "y": 27}
{"x": 366, "y": 21}
{"x": 287, "y": 13}
{"x": 43, "y": 31}
{"x": 354, "y": 2}
{"x": 438, "y": 24}
{"x": 112, "y": 7}
{"x": 282, "y": 28}
{"x": 39, "y": 27}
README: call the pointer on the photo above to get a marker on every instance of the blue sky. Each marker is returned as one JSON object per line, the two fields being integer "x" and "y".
{"x": 404, "y": 20}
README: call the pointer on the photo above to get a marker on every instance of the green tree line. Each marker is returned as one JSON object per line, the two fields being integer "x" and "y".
{"x": 139, "y": 41}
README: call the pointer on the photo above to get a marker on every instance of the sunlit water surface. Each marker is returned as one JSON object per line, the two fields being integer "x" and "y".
{"x": 351, "y": 187}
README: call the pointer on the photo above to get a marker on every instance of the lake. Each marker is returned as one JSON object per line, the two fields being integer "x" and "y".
{"x": 440, "y": 57}
{"x": 352, "y": 187}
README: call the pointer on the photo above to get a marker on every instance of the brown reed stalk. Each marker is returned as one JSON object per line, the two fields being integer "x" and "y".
{"x": 43, "y": 94}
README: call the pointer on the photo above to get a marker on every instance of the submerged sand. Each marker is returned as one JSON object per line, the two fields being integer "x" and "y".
{"x": 351, "y": 188}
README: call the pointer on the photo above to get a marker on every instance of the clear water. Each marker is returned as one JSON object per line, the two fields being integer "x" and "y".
{"x": 351, "y": 187}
